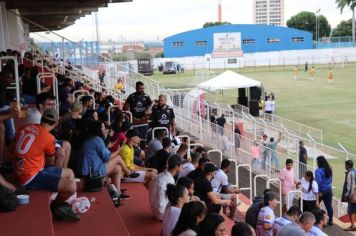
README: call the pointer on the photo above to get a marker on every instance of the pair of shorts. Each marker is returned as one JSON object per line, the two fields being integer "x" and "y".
{"x": 140, "y": 179}
{"x": 58, "y": 143}
{"x": 46, "y": 179}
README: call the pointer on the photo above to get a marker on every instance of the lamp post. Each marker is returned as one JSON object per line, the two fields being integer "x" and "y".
{"x": 317, "y": 27}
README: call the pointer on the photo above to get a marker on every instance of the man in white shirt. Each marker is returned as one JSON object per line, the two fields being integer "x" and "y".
{"x": 220, "y": 185}
{"x": 292, "y": 215}
{"x": 46, "y": 101}
{"x": 321, "y": 220}
{"x": 266, "y": 215}
{"x": 158, "y": 186}
{"x": 190, "y": 165}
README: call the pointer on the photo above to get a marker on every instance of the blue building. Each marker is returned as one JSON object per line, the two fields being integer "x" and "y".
{"x": 247, "y": 38}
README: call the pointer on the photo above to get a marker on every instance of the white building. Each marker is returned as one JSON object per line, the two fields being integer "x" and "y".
{"x": 270, "y": 12}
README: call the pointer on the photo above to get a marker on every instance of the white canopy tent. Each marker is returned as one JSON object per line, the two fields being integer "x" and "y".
{"x": 228, "y": 80}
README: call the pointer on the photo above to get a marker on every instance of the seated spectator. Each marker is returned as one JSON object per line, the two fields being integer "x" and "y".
{"x": 190, "y": 165}
{"x": 182, "y": 151}
{"x": 70, "y": 124}
{"x": 119, "y": 137}
{"x": 34, "y": 143}
{"x": 204, "y": 190}
{"x": 29, "y": 85}
{"x": 178, "y": 196}
{"x": 46, "y": 101}
{"x": 198, "y": 172}
{"x": 266, "y": 215}
{"x": 304, "y": 225}
{"x": 6, "y": 115}
{"x": 158, "y": 187}
{"x": 252, "y": 212}
{"x": 90, "y": 114}
{"x": 6, "y": 78}
{"x": 159, "y": 159}
{"x": 191, "y": 215}
{"x": 96, "y": 158}
{"x": 321, "y": 220}
{"x": 189, "y": 184}
{"x": 220, "y": 186}
{"x": 65, "y": 98}
{"x": 155, "y": 144}
{"x": 242, "y": 229}
{"x": 292, "y": 215}
{"x": 213, "y": 224}
{"x": 127, "y": 154}
{"x": 87, "y": 102}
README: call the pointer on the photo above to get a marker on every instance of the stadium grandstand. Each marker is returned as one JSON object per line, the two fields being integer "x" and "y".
{"x": 81, "y": 155}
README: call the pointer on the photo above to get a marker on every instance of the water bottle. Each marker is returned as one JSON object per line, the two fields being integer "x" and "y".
{"x": 114, "y": 195}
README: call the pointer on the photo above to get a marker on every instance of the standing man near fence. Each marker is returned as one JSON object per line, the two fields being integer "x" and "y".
{"x": 137, "y": 103}
{"x": 162, "y": 115}
{"x": 221, "y": 123}
{"x": 303, "y": 158}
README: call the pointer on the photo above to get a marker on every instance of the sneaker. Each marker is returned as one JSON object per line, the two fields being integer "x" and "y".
{"x": 124, "y": 196}
{"x": 65, "y": 213}
{"x": 134, "y": 175}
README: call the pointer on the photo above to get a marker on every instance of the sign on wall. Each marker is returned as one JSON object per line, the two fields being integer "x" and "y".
{"x": 227, "y": 41}
{"x": 227, "y": 45}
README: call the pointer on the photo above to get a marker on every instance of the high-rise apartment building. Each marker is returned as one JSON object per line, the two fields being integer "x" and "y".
{"x": 270, "y": 12}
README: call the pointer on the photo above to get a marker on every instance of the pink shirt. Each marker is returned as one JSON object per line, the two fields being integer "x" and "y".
{"x": 287, "y": 178}
{"x": 255, "y": 152}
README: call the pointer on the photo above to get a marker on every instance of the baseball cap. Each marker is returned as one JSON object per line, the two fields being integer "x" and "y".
{"x": 50, "y": 114}
{"x": 132, "y": 133}
{"x": 174, "y": 161}
{"x": 209, "y": 167}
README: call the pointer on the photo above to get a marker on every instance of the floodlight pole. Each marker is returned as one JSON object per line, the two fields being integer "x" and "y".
{"x": 317, "y": 28}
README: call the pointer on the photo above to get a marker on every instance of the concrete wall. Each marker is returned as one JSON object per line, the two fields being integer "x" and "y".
{"x": 259, "y": 33}
{"x": 13, "y": 34}
{"x": 290, "y": 57}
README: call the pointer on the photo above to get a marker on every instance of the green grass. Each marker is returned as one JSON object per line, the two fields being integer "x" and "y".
{"x": 329, "y": 107}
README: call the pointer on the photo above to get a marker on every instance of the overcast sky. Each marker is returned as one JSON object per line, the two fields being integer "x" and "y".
{"x": 157, "y": 19}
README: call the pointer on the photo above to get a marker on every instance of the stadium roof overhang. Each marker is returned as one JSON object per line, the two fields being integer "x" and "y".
{"x": 55, "y": 15}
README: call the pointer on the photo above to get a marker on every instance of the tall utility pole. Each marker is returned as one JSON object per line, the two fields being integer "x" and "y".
{"x": 219, "y": 12}
{"x": 317, "y": 27}
{"x": 97, "y": 29}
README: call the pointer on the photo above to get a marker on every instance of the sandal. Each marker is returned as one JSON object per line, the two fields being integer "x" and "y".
{"x": 350, "y": 229}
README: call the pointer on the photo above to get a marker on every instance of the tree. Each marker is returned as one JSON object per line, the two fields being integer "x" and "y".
{"x": 209, "y": 24}
{"x": 119, "y": 57}
{"x": 344, "y": 28}
{"x": 341, "y": 4}
{"x": 307, "y": 21}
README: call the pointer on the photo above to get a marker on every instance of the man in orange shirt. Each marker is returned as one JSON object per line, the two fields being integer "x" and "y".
{"x": 34, "y": 146}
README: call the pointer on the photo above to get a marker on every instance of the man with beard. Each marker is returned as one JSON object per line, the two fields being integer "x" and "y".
{"x": 162, "y": 115}
{"x": 137, "y": 103}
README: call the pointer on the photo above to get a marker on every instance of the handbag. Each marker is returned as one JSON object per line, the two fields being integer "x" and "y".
{"x": 93, "y": 182}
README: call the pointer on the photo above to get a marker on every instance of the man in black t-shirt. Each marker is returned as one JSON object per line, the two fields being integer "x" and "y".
{"x": 137, "y": 103}
{"x": 198, "y": 172}
{"x": 303, "y": 158}
{"x": 159, "y": 160}
{"x": 204, "y": 190}
{"x": 162, "y": 115}
{"x": 221, "y": 123}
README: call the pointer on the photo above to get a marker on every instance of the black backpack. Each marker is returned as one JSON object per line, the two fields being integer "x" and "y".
{"x": 8, "y": 199}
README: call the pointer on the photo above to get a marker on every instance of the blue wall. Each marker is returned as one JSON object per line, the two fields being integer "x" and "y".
{"x": 260, "y": 33}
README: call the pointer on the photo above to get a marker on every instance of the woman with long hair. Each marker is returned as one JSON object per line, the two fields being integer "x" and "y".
{"x": 191, "y": 215}
{"x": 177, "y": 195}
{"x": 310, "y": 192}
{"x": 324, "y": 178}
{"x": 212, "y": 225}
{"x": 96, "y": 158}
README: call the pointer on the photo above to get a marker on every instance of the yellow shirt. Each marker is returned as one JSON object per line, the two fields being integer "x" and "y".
{"x": 127, "y": 155}
{"x": 119, "y": 86}
{"x": 261, "y": 104}
{"x": 312, "y": 71}
{"x": 330, "y": 75}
